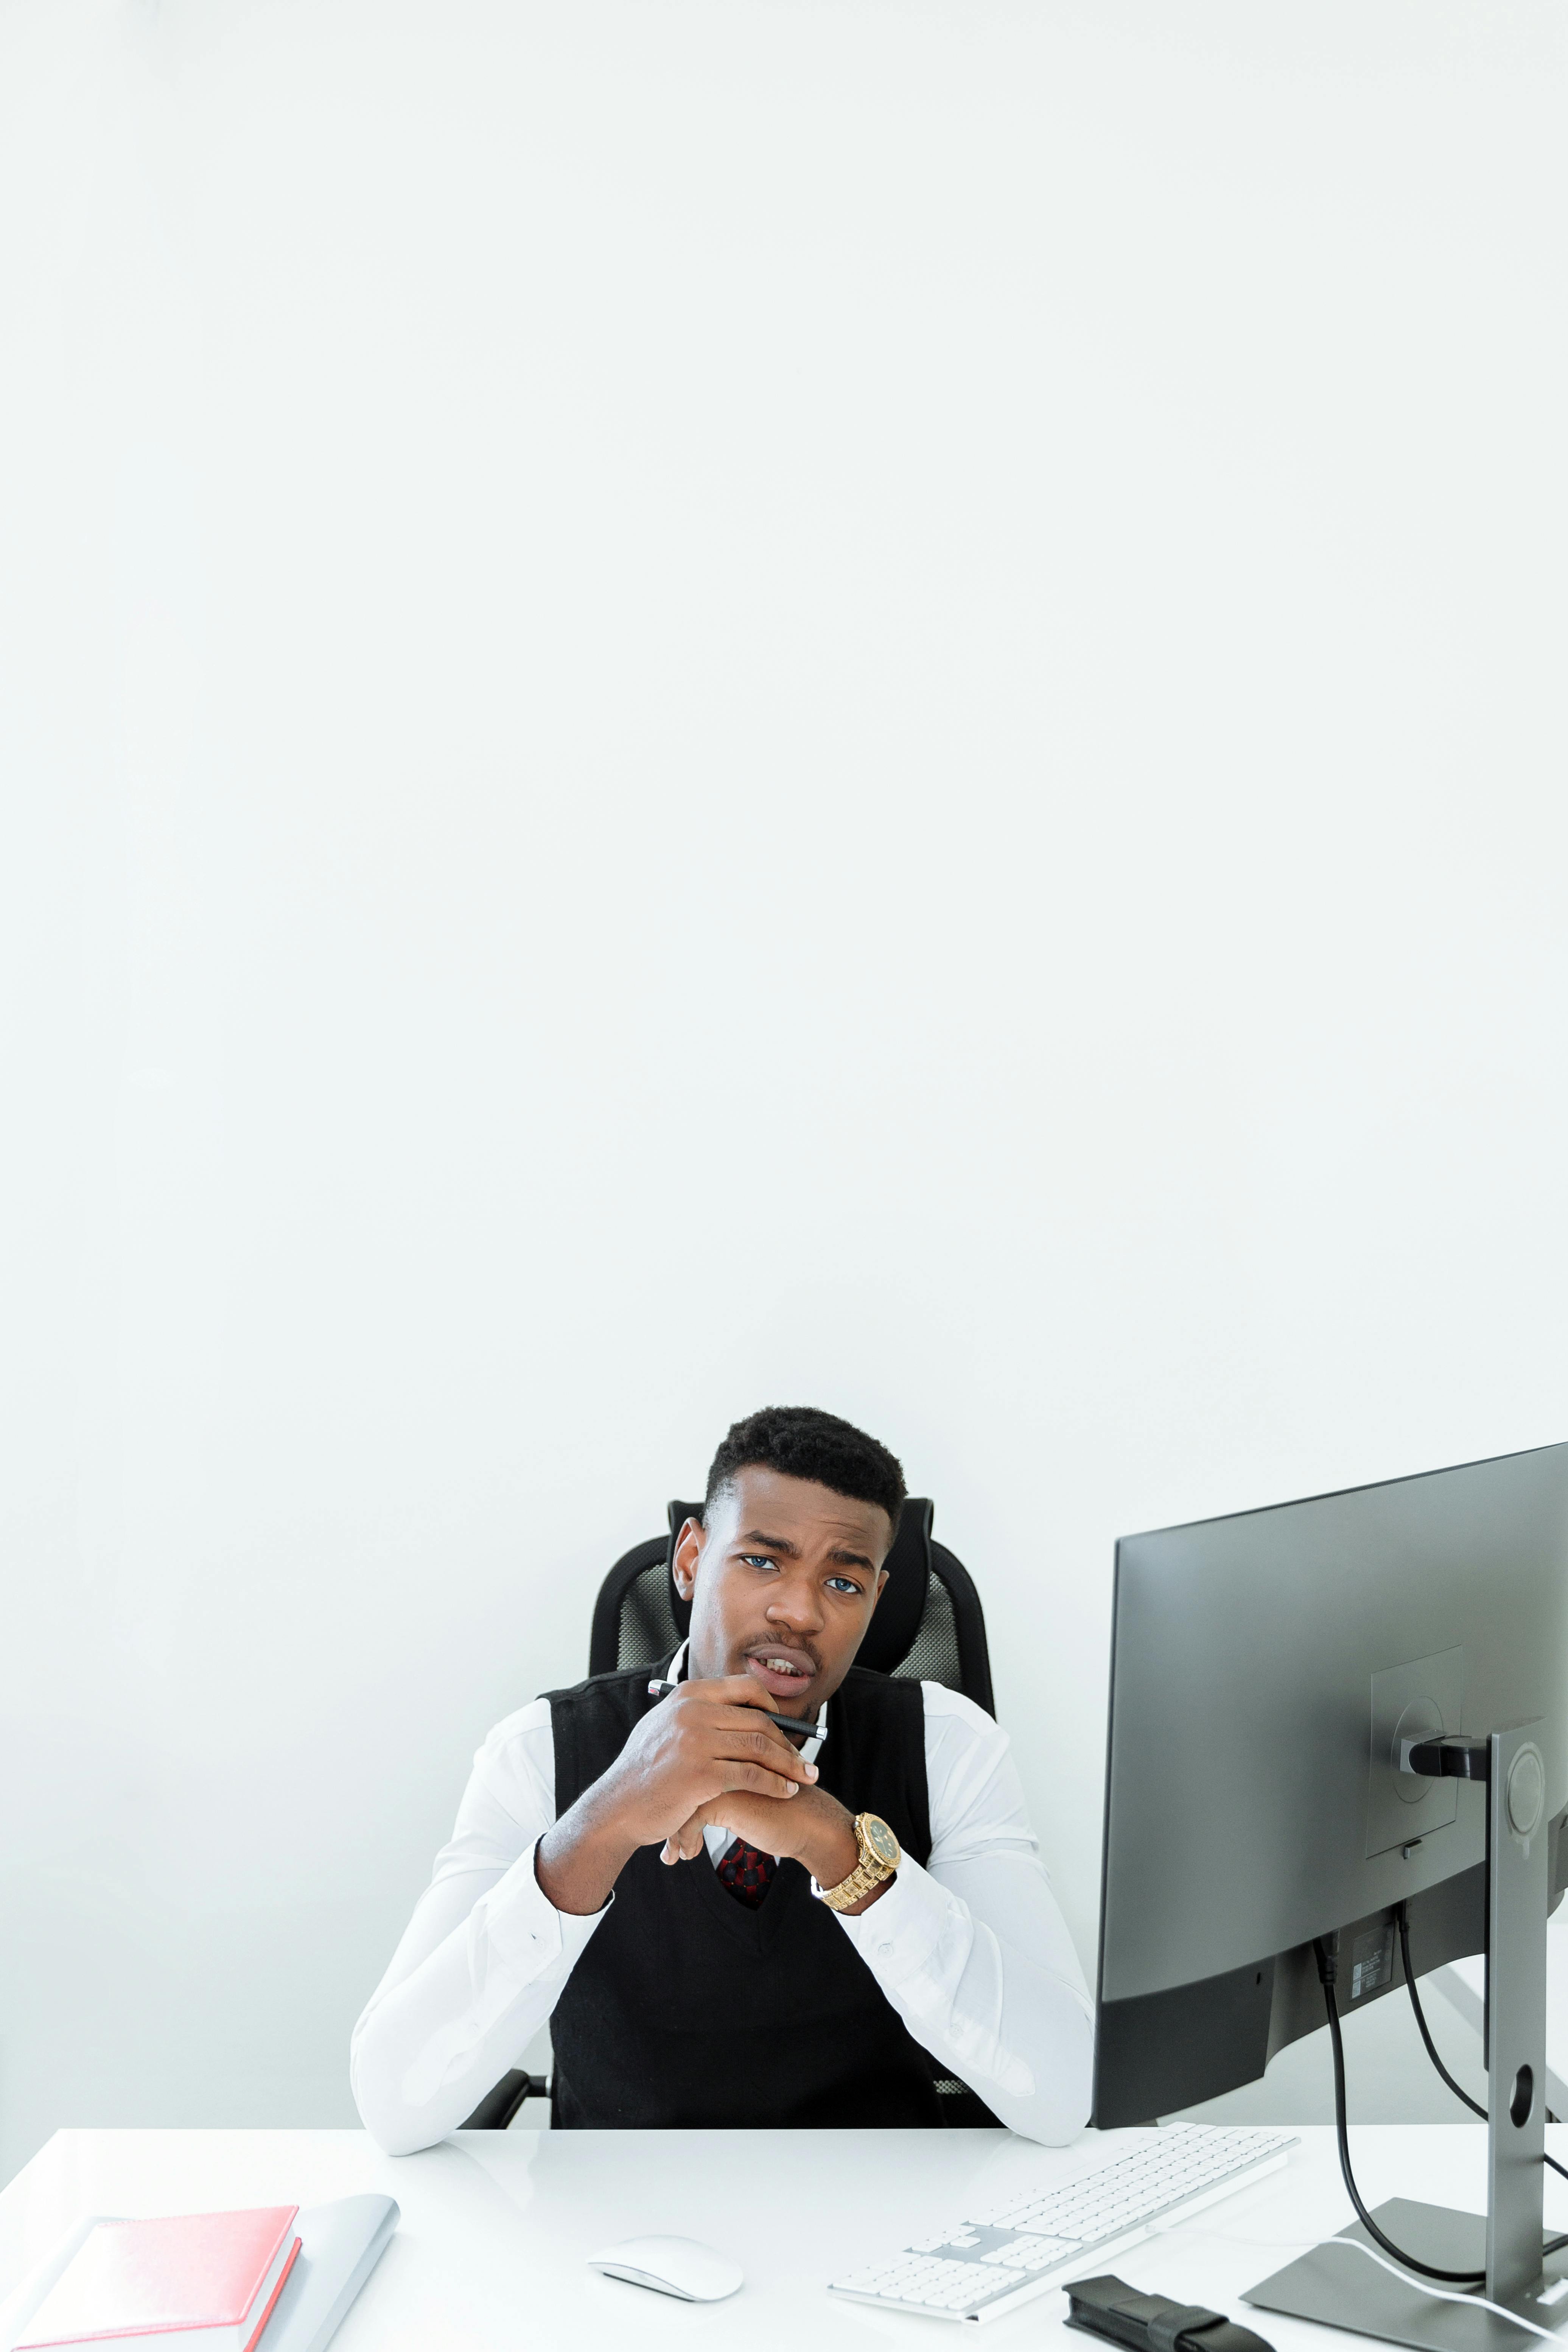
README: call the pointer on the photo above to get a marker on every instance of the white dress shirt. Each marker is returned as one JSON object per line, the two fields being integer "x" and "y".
{"x": 972, "y": 1950}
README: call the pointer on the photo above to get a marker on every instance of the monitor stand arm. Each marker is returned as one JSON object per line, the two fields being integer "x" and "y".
{"x": 1516, "y": 2012}
{"x": 1347, "y": 2290}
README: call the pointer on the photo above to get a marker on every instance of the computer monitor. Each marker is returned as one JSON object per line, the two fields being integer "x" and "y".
{"x": 1267, "y": 1669}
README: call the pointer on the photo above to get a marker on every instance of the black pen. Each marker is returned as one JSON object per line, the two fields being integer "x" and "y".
{"x": 802, "y": 1724}
{"x": 797, "y": 1723}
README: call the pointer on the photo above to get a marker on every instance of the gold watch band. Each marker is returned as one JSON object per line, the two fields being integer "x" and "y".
{"x": 868, "y": 1872}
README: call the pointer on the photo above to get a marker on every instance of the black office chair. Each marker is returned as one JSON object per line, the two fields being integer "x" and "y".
{"x": 929, "y": 1626}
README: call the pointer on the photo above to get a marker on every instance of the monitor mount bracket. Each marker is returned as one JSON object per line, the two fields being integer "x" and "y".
{"x": 1332, "y": 2287}
{"x": 1453, "y": 1757}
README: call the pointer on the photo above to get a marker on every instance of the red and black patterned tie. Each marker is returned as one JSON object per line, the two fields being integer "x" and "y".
{"x": 747, "y": 1873}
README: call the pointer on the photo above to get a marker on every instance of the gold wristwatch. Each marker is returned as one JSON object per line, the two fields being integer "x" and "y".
{"x": 880, "y": 1854}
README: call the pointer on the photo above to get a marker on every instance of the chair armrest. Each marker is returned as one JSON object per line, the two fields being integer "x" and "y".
{"x": 496, "y": 2108}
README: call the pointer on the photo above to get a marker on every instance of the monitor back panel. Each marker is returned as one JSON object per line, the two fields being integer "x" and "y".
{"x": 1263, "y": 1669}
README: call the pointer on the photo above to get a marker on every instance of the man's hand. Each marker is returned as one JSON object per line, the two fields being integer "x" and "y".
{"x": 708, "y": 1740}
{"x": 815, "y": 1831}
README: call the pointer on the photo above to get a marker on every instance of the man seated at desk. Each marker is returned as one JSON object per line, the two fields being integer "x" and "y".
{"x": 720, "y": 1931}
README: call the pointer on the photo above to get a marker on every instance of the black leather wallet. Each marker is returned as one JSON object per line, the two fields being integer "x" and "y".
{"x": 1152, "y": 2323}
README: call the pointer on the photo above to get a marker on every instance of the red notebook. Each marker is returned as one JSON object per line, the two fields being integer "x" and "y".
{"x": 207, "y": 2282}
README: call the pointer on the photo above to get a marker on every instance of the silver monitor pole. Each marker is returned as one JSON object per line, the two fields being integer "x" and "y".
{"x": 1515, "y": 2012}
{"x": 1347, "y": 2290}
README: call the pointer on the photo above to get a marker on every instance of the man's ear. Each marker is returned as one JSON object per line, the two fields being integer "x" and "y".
{"x": 881, "y": 1580}
{"x": 688, "y": 1553}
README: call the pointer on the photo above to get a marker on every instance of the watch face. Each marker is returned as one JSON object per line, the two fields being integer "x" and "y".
{"x": 882, "y": 1840}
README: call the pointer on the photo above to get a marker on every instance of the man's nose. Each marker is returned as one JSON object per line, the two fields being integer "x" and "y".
{"x": 795, "y": 1604}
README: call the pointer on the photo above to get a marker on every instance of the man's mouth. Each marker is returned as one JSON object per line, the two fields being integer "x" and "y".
{"x": 785, "y": 1672}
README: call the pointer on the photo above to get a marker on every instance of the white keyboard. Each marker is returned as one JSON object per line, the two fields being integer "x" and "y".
{"x": 1000, "y": 2255}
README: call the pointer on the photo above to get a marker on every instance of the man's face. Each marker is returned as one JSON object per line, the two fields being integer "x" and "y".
{"x": 781, "y": 1583}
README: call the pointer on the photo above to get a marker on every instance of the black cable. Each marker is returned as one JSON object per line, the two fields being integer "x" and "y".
{"x": 1475, "y": 2106}
{"x": 1328, "y": 1970}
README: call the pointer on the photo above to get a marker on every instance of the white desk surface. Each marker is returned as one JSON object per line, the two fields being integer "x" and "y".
{"x": 490, "y": 2252}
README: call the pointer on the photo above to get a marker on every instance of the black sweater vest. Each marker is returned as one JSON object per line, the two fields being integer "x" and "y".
{"x": 689, "y": 2010}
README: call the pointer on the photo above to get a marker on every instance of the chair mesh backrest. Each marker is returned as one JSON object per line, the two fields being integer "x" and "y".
{"x": 933, "y": 1654}
{"x": 646, "y": 1630}
{"x": 946, "y": 1644}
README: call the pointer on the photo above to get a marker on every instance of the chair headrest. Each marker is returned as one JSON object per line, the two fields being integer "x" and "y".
{"x": 899, "y": 1611}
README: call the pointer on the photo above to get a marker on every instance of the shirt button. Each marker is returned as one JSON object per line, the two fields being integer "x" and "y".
{"x": 883, "y": 1950}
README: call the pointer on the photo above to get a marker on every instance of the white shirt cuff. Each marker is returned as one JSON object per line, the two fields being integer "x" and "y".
{"x": 526, "y": 1933}
{"x": 898, "y": 1935}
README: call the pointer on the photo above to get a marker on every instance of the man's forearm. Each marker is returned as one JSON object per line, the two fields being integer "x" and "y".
{"x": 578, "y": 1862}
{"x": 1015, "y": 2033}
{"x": 1010, "y": 2018}
{"x": 437, "y": 2035}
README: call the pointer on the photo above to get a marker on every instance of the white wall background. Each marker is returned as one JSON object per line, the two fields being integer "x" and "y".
{"x": 837, "y": 699}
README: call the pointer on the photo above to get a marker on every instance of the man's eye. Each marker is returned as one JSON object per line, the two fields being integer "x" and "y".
{"x": 757, "y": 1559}
{"x": 843, "y": 1584}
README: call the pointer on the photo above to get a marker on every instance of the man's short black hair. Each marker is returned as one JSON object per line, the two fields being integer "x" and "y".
{"x": 800, "y": 1442}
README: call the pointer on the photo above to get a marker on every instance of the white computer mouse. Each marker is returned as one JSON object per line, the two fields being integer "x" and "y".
{"x": 681, "y": 2266}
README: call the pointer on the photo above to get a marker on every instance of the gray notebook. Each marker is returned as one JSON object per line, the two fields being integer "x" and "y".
{"x": 340, "y": 2245}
